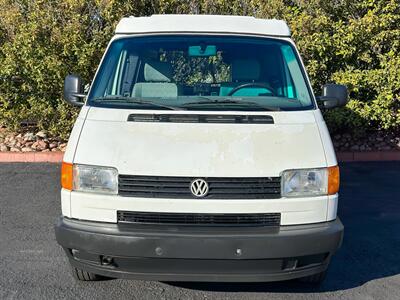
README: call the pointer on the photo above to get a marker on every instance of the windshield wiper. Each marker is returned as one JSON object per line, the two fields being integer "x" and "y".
{"x": 229, "y": 101}
{"x": 134, "y": 101}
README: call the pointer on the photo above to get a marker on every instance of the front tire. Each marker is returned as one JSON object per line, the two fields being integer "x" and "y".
{"x": 82, "y": 275}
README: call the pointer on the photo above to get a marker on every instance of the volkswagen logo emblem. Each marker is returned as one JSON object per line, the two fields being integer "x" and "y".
{"x": 199, "y": 187}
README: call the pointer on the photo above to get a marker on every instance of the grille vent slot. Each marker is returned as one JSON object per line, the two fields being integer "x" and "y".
{"x": 219, "y": 187}
{"x": 265, "y": 219}
{"x": 189, "y": 118}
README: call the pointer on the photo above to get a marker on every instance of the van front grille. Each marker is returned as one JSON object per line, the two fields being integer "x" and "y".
{"x": 218, "y": 187}
{"x": 264, "y": 219}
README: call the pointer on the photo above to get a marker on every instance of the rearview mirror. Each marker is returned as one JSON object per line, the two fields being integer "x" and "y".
{"x": 73, "y": 90}
{"x": 333, "y": 95}
{"x": 203, "y": 50}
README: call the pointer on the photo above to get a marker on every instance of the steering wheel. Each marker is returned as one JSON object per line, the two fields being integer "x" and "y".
{"x": 253, "y": 84}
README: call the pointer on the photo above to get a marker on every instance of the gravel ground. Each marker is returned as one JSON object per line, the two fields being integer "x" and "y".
{"x": 32, "y": 265}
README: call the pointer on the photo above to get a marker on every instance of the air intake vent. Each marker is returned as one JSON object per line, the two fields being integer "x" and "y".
{"x": 189, "y": 118}
{"x": 180, "y": 187}
{"x": 266, "y": 219}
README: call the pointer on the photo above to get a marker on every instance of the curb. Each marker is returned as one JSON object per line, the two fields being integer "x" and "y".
{"x": 368, "y": 156}
{"x": 56, "y": 157}
{"x": 51, "y": 157}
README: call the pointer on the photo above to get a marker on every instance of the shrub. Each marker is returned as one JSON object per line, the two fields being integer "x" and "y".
{"x": 43, "y": 41}
{"x": 356, "y": 43}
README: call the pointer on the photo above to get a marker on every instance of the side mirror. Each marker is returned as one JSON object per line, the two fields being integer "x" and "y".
{"x": 73, "y": 90}
{"x": 333, "y": 95}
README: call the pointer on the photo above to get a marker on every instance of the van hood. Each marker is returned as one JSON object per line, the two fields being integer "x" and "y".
{"x": 200, "y": 149}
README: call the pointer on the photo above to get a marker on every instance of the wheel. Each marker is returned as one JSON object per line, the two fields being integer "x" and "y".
{"x": 315, "y": 279}
{"x": 84, "y": 276}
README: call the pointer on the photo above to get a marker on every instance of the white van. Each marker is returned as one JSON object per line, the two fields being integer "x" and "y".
{"x": 200, "y": 154}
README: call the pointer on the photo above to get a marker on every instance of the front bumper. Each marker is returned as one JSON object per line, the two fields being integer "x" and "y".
{"x": 199, "y": 254}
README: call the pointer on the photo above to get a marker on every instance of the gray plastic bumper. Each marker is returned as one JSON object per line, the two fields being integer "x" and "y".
{"x": 199, "y": 254}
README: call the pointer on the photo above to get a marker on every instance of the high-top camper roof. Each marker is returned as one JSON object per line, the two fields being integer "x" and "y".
{"x": 202, "y": 24}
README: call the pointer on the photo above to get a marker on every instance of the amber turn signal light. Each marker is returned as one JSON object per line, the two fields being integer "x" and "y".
{"x": 333, "y": 180}
{"x": 66, "y": 176}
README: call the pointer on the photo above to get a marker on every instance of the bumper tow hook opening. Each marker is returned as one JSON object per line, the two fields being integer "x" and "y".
{"x": 74, "y": 253}
{"x": 106, "y": 260}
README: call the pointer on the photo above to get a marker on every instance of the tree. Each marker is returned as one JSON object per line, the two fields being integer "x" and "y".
{"x": 356, "y": 43}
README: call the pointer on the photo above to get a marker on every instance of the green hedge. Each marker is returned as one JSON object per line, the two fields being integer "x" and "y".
{"x": 356, "y": 43}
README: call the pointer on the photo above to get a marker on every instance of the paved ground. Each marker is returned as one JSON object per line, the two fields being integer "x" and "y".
{"x": 32, "y": 266}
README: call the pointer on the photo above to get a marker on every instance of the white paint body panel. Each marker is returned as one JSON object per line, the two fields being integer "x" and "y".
{"x": 200, "y": 150}
{"x": 102, "y": 136}
{"x": 75, "y": 134}
{"x": 202, "y": 23}
{"x": 66, "y": 203}
{"x": 332, "y": 207}
{"x": 104, "y": 208}
{"x": 326, "y": 139}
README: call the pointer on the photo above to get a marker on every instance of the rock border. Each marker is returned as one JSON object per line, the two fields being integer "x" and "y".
{"x": 56, "y": 157}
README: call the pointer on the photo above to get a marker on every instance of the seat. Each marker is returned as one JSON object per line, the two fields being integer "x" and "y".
{"x": 244, "y": 71}
{"x": 158, "y": 77}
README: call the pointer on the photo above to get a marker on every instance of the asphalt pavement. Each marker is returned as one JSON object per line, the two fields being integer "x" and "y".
{"x": 33, "y": 266}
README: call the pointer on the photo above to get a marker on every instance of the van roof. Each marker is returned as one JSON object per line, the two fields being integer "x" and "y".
{"x": 202, "y": 23}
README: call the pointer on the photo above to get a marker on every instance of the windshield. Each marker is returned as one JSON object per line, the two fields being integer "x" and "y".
{"x": 201, "y": 73}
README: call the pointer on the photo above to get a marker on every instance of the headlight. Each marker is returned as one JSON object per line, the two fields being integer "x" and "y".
{"x": 95, "y": 179}
{"x": 310, "y": 182}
